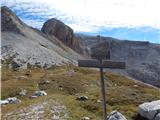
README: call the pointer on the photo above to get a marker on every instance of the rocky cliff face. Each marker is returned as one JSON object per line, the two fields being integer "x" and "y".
{"x": 142, "y": 58}
{"x": 64, "y": 33}
{"x": 54, "y": 27}
{"x": 24, "y": 46}
{"x": 10, "y": 22}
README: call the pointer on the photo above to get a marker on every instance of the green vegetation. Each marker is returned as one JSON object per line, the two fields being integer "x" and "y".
{"x": 67, "y": 82}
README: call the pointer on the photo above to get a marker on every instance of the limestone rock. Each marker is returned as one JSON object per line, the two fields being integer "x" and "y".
{"x": 82, "y": 98}
{"x": 13, "y": 100}
{"x": 64, "y": 33}
{"x": 4, "y": 102}
{"x": 114, "y": 115}
{"x": 40, "y": 93}
{"x": 150, "y": 110}
{"x": 57, "y": 28}
{"x": 10, "y": 22}
{"x": 85, "y": 118}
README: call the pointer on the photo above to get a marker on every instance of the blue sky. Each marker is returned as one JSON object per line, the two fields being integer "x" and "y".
{"x": 123, "y": 19}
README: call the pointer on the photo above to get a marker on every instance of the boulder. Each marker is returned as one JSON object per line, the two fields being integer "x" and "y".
{"x": 40, "y": 93}
{"x": 85, "y": 118}
{"x": 150, "y": 110}
{"x": 4, "y": 102}
{"x": 115, "y": 115}
{"x": 82, "y": 98}
{"x": 13, "y": 100}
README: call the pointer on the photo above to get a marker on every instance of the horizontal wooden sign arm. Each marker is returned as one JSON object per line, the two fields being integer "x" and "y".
{"x": 104, "y": 64}
{"x": 113, "y": 64}
{"x": 89, "y": 63}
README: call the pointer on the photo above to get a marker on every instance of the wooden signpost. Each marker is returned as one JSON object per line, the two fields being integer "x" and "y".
{"x": 100, "y": 61}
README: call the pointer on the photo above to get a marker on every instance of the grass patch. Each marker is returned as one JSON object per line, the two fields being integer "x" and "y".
{"x": 121, "y": 93}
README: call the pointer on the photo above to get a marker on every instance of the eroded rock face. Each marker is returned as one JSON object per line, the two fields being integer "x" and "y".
{"x": 57, "y": 28}
{"x": 10, "y": 22}
{"x": 64, "y": 33}
{"x": 150, "y": 110}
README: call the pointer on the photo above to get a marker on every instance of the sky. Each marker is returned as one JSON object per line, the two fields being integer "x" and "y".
{"x": 123, "y": 19}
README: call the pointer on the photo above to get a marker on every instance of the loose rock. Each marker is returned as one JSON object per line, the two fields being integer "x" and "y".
{"x": 150, "y": 110}
{"x": 13, "y": 100}
{"x": 40, "y": 93}
{"x": 4, "y": 102}
{"x": 114, "y": 115}
{"x": 85, "y": 118}
{"x": 82, "y": 98}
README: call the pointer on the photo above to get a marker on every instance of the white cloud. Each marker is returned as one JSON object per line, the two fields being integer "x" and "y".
{"x": 90, "y": 15}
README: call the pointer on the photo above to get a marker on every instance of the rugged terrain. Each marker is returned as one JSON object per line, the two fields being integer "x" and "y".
{"x": 50, "y": 61}
{"x": 65, "y": 84}
{"x": 23, "y": 46}
{"x": 142, "y": 58}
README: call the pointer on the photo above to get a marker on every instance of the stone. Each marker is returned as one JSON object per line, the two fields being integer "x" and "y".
{"x": 82, "y": 98}
{"x": 85, "y": 118}
{"x": 4, "y": 102}
{"x": 98, "y": 101}
{"x": 157, "y": 117}
{"x": 135, "y": 86}
{"x": 23, "y": 92}
{"x": 115, "y": 115}
{"x": 40, "y": 93}
{"x": 13, "y": 100}
{"x": 150, "y": 110}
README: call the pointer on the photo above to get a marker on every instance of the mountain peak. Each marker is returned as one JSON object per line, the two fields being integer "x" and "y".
{"x": 10, "y": 22}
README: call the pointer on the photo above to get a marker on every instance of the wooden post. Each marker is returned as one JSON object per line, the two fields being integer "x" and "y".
{"x": 103, "y": 92}
{"x": 99, "y": 63}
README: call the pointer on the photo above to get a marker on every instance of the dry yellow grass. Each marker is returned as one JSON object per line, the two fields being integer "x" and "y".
{"x": 122, "y": 95}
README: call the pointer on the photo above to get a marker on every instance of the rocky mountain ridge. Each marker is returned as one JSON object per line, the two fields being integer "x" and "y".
{"x": 142, "y": 58}
{"x": 23, "y": 46}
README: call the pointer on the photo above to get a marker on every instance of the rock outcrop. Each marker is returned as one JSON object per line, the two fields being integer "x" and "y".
{"x": 64, "y": 33}
{"x": 150, "y": 110}
{"x": 10, "y": 22}
{"x": 60, "y": 30}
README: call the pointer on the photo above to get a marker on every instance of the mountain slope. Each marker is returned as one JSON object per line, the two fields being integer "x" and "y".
{"x": 142, "y": 58}
{"x": 23, "y": 45}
